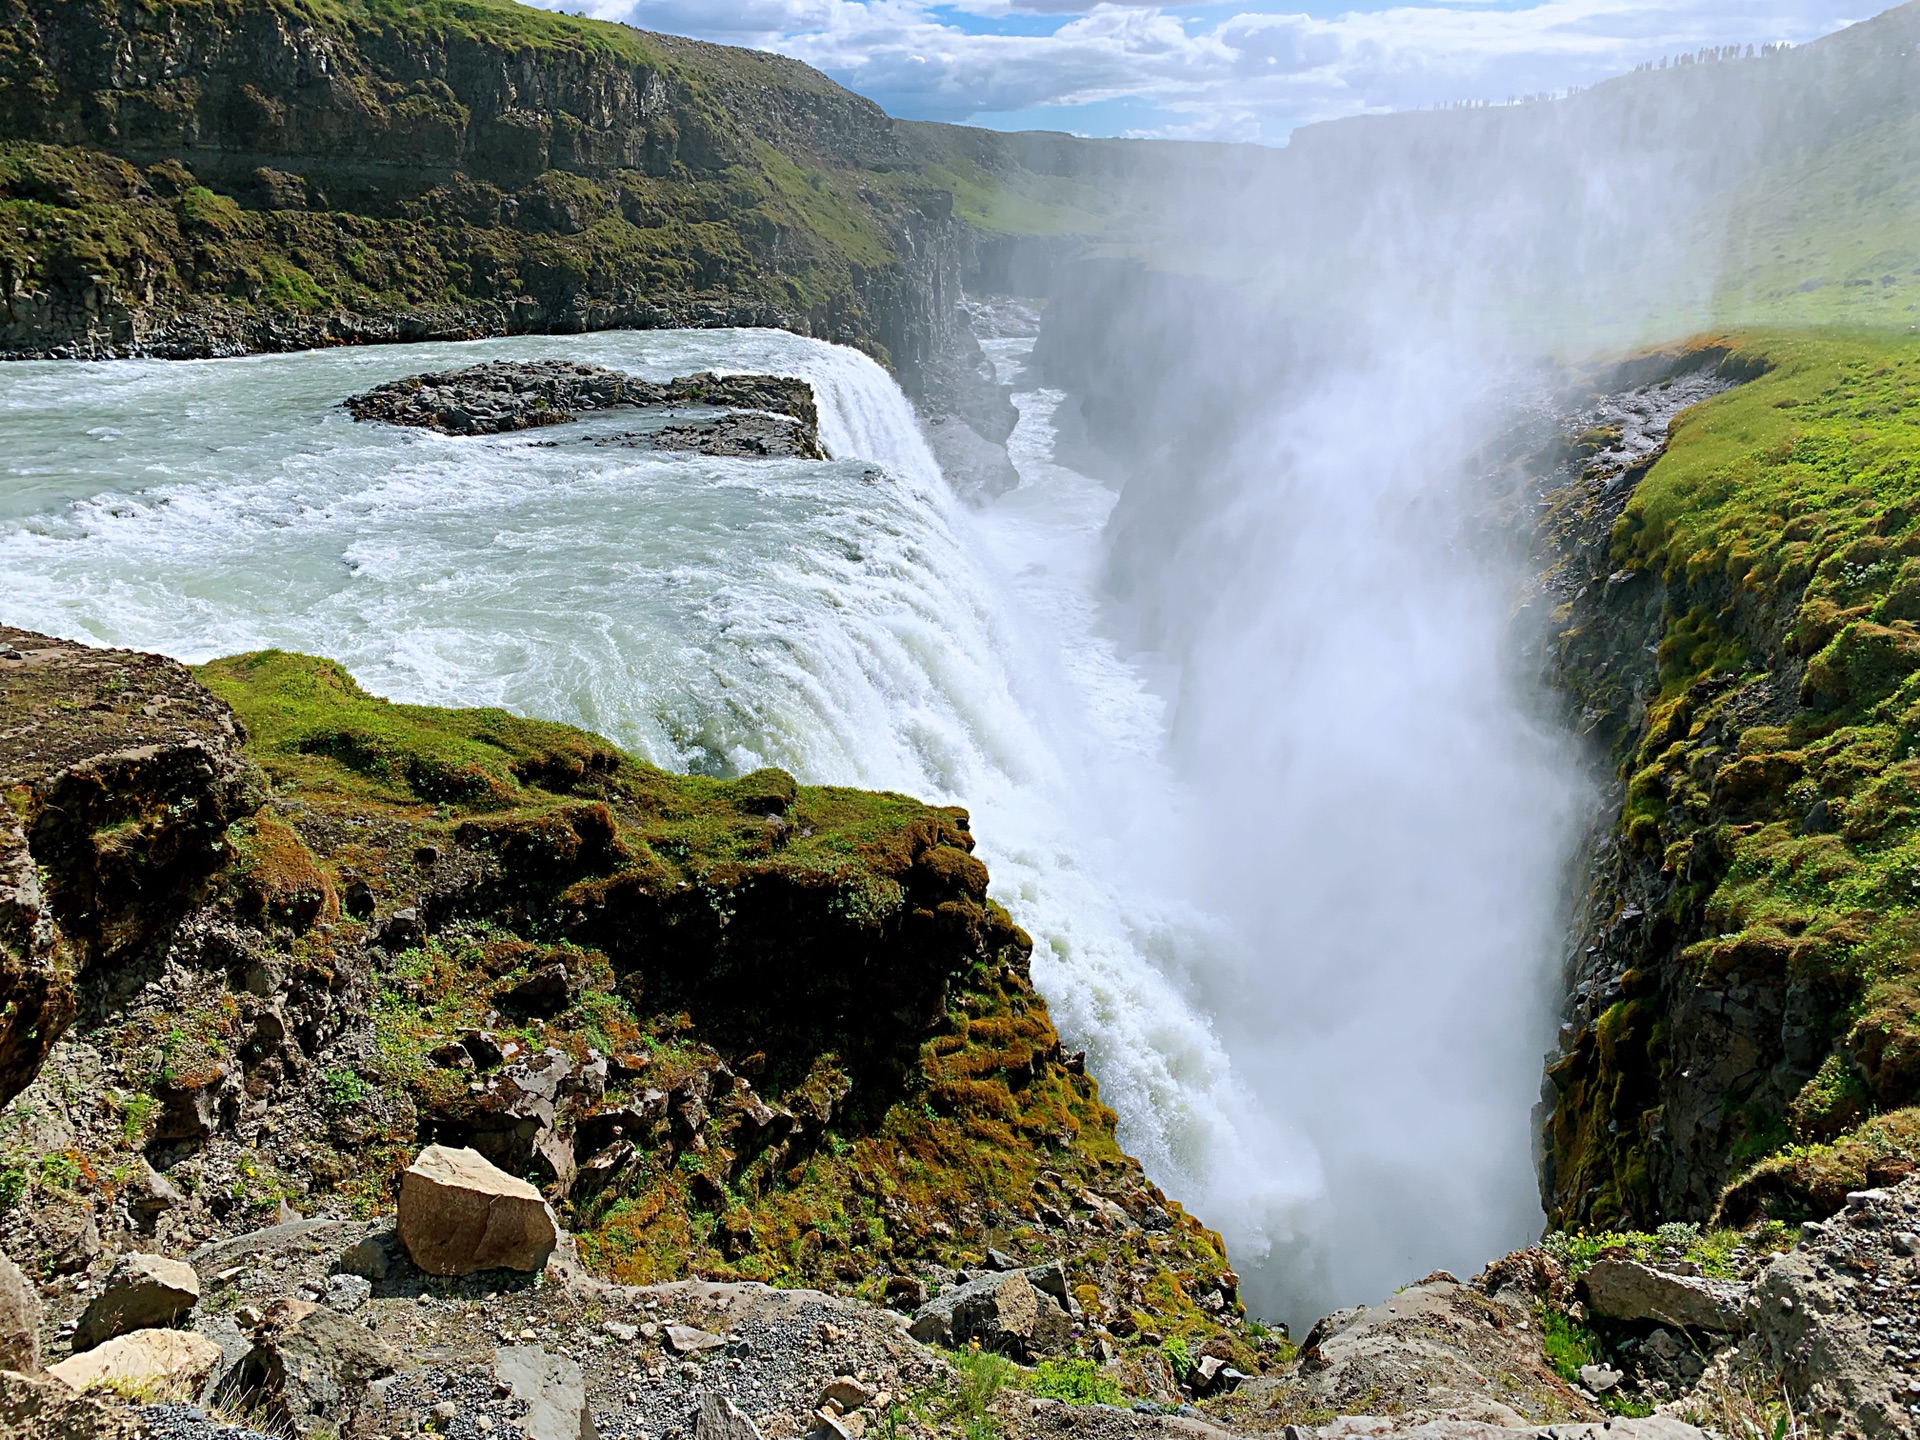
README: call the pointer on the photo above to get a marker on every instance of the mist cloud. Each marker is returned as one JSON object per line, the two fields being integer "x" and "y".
{"x": 1253, "y": 75}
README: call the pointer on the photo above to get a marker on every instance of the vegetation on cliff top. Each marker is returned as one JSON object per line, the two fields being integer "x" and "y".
{"x": 735, "y": 1028}
{"x": 1774, "y": 781}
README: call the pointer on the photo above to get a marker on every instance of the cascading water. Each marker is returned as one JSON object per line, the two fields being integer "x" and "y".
{"x": 847, "y": 621}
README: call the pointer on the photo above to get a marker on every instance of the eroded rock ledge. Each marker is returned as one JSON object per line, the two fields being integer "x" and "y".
{"x": 768, "y": 415}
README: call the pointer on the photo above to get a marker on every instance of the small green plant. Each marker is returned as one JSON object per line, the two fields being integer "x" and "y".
{"x": 344, "y": 1089}
{"x": 1178, "y": 1356}
{"x": 980, "y": 1376}
{"x": 1568, "y": 1344}
{"x": 134, "y": 1120}
{"x": 13, "y": 1185}
{"x": 1078, "y": 1382}
{"x": 60, "y": 1170}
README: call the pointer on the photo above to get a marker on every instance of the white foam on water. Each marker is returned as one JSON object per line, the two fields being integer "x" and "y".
{"x": 847, "y": 621}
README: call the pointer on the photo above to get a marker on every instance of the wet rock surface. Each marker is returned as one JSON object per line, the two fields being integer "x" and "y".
{"x": 779, "y": 415}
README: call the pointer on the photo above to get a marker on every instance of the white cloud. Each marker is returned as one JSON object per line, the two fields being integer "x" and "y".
{"x": 1252, "y": 75}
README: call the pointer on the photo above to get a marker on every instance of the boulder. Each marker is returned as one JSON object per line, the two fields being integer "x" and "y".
{"x": 553, "y": 1389}
{"x": 1002, "y": 1311}
{"x": 545, "y": 993}
{"x": 1627, "y": 1290}
{"x": 149, "y": 1195}
{"x": 151, "y": 1364}
{"x": 847, "y": 1393}
{"x": 291, "y": 1238}
{"x": 42, "y": 1408}
{"x": 309, "y": 1366}
{"x": 141, "y": 1291}
{"x": 459, "y": 1214}
{"x": 21, "y": 1314}
{"x": 1839, "y": 1347}
{"x": 720, "y": 1419}
{"x": 1442, "y": 1348}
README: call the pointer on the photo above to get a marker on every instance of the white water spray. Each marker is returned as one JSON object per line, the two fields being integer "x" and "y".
{"x": 847, "y": 621}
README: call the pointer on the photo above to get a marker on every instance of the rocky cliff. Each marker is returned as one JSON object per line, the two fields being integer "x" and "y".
{"x": 203, "y": 178}
{"x": 1734, "y": 577}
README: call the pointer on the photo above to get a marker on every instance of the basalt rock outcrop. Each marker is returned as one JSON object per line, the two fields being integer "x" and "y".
{"x": 186, "y": 179}
{"x": 122, "y": 776}
{"x": 506, "y": 395}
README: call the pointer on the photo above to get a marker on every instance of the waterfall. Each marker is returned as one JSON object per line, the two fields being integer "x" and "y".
{"x": 848, "y": 621}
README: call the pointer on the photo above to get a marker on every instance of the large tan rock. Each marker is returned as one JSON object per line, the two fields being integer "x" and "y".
{"x": 20, "y": 1315}
{"x": 141, "y": 1291}
{"x": 460, "y": 1214}
{"x": 147, "y": 1365}
{"x": 1627, "y": 1290}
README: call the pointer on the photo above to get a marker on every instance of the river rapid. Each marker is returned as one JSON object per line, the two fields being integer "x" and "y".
{"x": 849, "y": 621}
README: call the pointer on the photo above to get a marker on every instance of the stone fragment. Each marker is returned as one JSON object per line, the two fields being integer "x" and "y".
{"x": 720, "y": 1419}
{"x": 906, "y": 1292}
{"x": 848, "y": 1393}
{"x": 687, "y": 1340}
{"x": 545, "y": 993}
{"x": 21, "y": 1314}
{"x": 141, "y": 1291}
{"x": 367, "y": 1258}
{"x": 149, "y": 1195}
{"x": 1627, "y": 1290}
{"x": 484, "y": 1047}
{"x": 459, "y": 1215}
{"x": 1599, "y": 1379}
{"x": 189, "y": 1109}
{"x": 152, "y": 1364}
{"x": 553, "y": 1389}
{"x": 290, "y": 1238}
{"x": 347, "y": 1293}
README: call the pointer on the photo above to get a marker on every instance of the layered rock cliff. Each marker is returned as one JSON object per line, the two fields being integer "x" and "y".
{"x": 206, "y": 178}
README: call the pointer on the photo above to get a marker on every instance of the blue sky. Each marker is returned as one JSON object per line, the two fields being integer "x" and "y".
{"x": 1251, "y": 70}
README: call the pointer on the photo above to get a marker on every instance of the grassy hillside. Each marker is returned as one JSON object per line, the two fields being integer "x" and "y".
{"x": 1829, "y": 236}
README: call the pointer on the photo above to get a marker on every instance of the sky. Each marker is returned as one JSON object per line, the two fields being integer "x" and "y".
{"x": 1248, "y": 70}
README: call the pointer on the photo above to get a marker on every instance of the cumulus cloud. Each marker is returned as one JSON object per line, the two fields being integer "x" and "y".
{"x": 1250, "y": 75}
